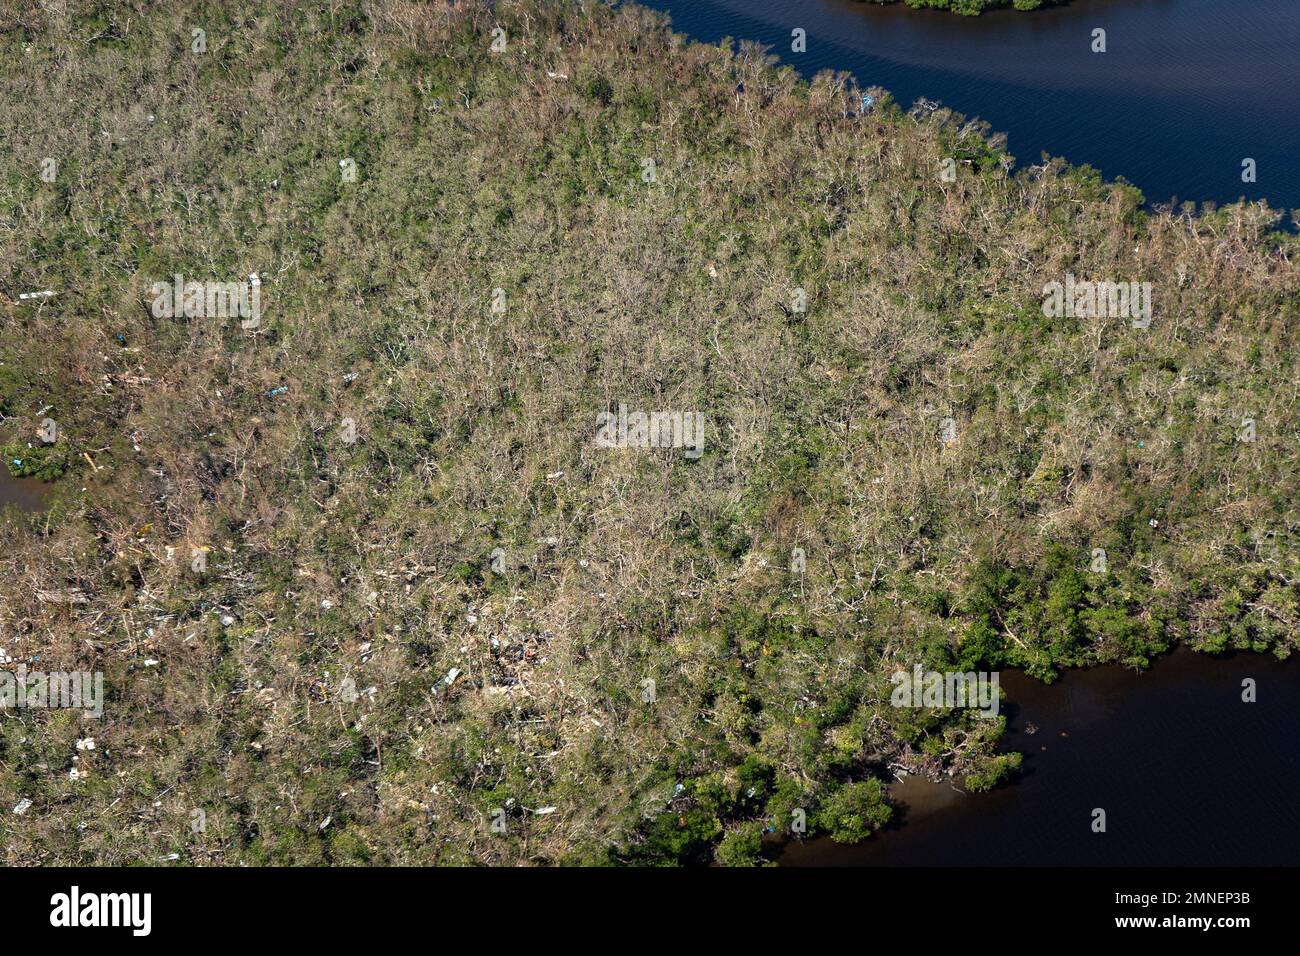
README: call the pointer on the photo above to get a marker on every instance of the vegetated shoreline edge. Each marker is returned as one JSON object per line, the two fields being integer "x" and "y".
{"x": 1285, "y": 221}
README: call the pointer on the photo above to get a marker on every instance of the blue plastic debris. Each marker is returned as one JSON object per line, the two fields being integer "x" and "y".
{"x": 278, "y": 390}
{"x": 867, "y": 102}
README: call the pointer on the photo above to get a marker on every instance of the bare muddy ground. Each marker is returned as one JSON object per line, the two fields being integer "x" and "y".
{"x": 25, "y": 494}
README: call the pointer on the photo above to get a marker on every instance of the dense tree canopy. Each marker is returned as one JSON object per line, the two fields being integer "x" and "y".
{"x": 470, "y": 634}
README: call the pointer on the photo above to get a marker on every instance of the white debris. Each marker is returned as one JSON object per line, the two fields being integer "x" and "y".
{"x": 87, "y": 743}
{"x": 543, "y": 811}
{"x": 452, "y": 675}
{"x": 23, "y": 806}
{"x": 43, "y": 294}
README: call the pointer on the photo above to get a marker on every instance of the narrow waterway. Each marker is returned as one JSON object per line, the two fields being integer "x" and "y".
{"x": 1186, "y": 90}
{"x": 1187, "y": 773}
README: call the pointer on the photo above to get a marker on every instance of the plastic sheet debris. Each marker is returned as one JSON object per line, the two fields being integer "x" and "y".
{"x": 66, "y": 596}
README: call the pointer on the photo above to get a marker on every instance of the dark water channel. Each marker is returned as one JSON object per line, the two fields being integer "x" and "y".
{"x": 1188, "y": 775}
{"x": 1186, "y": 90}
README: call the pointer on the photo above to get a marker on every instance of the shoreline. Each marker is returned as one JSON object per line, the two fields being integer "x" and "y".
{"x": 1287, "y": 216}
{"x": 1082, "y": 706}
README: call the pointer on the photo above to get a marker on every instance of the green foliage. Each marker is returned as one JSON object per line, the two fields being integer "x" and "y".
{"x": 1054, "y": 614}
{"x": 855, "y": 811}
{"x": 678, "y": 838}
{"x": 46, "y": 462}
{"x": 993, "y": 770}
{"x": 525, "y": 686}
{"x": 742, "y": 845}
{"x": 974, "y": 7}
